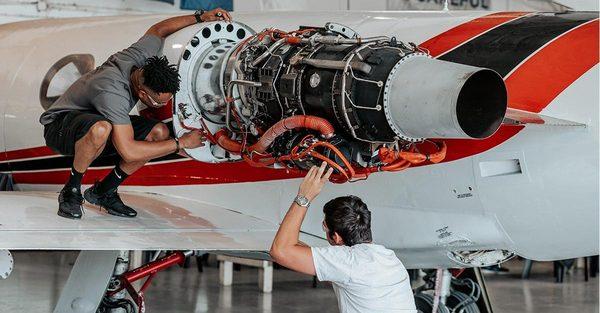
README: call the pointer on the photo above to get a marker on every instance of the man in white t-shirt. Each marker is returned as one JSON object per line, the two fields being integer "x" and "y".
{"x": 366, "y": 277}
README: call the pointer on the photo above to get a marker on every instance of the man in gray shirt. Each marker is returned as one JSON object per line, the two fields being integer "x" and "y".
{"x": 96, "y": 108}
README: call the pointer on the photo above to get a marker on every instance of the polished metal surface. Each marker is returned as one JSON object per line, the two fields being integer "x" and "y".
{"x": 38, "y": 278}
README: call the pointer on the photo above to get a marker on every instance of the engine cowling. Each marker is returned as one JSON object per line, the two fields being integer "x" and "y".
{"x": 266, "y": 97}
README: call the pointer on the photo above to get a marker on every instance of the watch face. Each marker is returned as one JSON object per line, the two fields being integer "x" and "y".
{"x": 302, "y": 200}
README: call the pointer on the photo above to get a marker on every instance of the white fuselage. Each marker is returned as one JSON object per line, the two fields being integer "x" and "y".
{"x": 535, "y": 194}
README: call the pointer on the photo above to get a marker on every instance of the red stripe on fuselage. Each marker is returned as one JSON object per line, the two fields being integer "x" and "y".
{"x": 460, "y": 34}
{"x": 186, "y": 172}
{"x": 26, "y": 153}
{"x": 542, "y": 77}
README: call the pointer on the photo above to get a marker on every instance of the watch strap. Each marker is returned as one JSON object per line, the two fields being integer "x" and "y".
{"x": 198, "y": 15}
{"x": 177, "y": 143}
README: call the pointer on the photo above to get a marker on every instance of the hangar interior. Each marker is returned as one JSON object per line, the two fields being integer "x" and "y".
{"x": 212, "y": 280}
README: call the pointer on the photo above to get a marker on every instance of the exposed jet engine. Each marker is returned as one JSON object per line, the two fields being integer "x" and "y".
{"x": 296, "y": 99}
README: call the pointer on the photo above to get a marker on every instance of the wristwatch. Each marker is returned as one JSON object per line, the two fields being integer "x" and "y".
{"x": 177, "y": 143}
{"x": 302, "y": 201}
{"x": 198, "y": 15}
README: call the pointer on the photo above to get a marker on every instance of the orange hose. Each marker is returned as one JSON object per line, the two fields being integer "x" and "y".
{"x": 330, "y": 162}
{"x": 227, "y": 143}
{"x": 396, "y": 166}
{"x": 416, "y": 158}
{"x": 297, "y": 121}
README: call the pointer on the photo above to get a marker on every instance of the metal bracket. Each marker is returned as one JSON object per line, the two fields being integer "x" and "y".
{"x": 6, "y": 264}
{"x": 87, "y": 282}
{"x": 148, "y": 271}
{"x": 341, "y": 30}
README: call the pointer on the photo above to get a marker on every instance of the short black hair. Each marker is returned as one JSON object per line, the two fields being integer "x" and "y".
{"x": 350, "y": 218}
{"x": 160, "y": 76}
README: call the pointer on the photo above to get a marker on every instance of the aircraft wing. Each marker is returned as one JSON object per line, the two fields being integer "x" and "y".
{"x": 28, "y": 220}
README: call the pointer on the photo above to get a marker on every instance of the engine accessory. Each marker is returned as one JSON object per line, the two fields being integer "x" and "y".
{"x": 325, "y": 94}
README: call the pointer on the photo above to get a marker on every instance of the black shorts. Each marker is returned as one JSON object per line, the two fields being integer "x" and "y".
{"x": 68, "y": 127}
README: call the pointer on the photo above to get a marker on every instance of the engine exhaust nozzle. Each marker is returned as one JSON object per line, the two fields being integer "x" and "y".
{"x": 430, "y": 98}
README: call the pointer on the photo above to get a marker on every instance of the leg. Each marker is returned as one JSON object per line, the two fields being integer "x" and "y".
{"x": 159, "y": 132}
{"x": 526, "y": 269}
{"x": 265, "y": 277}
{"x": 104, "y": 193}
{"x": 89, "y": 147}
{"x": 83, "y": 135}
{"x": 586, "y": 271}
{"x": 225, "y": 273}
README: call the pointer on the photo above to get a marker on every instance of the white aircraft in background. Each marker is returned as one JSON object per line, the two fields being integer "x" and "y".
{"x": 485, "y": 131}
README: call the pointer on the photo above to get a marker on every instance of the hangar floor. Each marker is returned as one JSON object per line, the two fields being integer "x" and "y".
{"x": 35, "y": 284}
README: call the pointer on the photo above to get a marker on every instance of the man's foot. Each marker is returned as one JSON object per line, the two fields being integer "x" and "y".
{"x": 70, "y": 203}
{"x": 109, "y": 201}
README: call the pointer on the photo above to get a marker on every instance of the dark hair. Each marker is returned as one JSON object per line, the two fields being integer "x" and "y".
{"x": 160, "y": 76}
{"x": 350, "y": 218}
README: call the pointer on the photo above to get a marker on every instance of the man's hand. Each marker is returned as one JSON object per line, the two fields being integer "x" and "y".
{"x": 216, "y": 15}
{"x": 314, "y": 181}
{"x": 169, "y": 26}
{"x": 193, "y": 139}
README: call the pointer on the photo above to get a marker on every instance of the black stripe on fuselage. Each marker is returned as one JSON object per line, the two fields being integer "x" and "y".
{"x": 507, "y": 45}
{"x": 57, "y": 162}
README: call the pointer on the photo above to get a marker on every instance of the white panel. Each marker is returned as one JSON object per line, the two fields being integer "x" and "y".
{"x": 370, "y": 5}
{"x": 581, "y": 5}
{"x": 551, "y": 211}
{"x": 163, "y": 223}
{"x": 289, "y": 5}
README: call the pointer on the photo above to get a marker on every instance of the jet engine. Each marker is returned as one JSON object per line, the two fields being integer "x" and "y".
{"x": 297, "y": 98}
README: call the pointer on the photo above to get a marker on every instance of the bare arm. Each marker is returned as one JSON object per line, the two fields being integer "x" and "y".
{"x": 287, "y": 250}
{"x": 167, "y": 27}
{"x": 131, "y": 150}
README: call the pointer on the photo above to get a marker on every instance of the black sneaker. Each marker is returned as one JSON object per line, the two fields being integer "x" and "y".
{"x": 70, "y": 203}
{"x": 109, "y": 201}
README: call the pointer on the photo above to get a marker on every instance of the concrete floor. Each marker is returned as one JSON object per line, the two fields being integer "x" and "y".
{"x": 38, "y": 277}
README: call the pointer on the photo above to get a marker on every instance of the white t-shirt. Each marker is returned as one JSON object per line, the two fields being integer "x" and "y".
{"x": 365, "y": 278}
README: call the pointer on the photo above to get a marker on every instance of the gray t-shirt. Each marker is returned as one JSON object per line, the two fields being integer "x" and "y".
{"x": 106, "y": 89}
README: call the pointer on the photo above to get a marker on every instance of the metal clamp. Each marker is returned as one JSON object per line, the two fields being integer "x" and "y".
{"x": 341, "y": 29}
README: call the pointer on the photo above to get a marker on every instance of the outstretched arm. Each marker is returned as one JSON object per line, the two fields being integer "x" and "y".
{"x": 167, "y": 27}
{"x": 287, "y": 250}
{"x": 131, "y": 150}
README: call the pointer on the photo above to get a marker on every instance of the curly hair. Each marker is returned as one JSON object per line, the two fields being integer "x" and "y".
{"x": 160, "y": 76}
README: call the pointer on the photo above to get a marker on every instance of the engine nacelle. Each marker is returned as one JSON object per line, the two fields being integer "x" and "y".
{"x": 324, "y": 94}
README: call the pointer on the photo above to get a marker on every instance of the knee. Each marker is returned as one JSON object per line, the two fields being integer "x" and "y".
{"x": 99, "y": 133}
{"x": 159, "y": 132}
